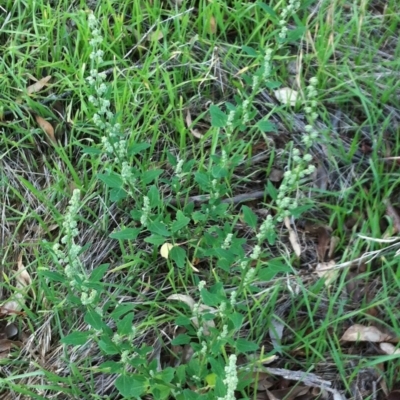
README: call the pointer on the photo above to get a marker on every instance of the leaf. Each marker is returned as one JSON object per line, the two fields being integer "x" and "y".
{"x": 117, "y": 195}
{"x": 250, "y": 51}
{"x": 361, "y": 333}
{"x": 124, "y": 326}
{"x": 184, "y": 298}
{"x": 181, "y": 339}
{"x": 218, "y": 117}
{"x": 76, "y": 338}
{"x": 38, "y": 85}
{"x": 269, "y": 10}
{"x": 178, "y": 255}
{"x": 388, "y": 348}
{"x": 93, "y": 319}
{"x": 98, "y": 273}
{"x": 243, "y": 345}
{"x": 121, "y": 310}
{"x": 137, "y": 148}
{"x": 47, "y": 128}
{"x": 126, "y": 234}
{"x": 287, "y": 96}
{"x": 111, "y": 180}
{"x": 249, "y": 217}
{"x": 212, "y": 25}
{"x": 151, "y": 175}
{"x": 327, "y": 271}
{"x": 181, "y": 221}
{"x": 195, "y": 132}
{"x": 158, "y": 228}
{"x": 131, "y": 385}
{"x": 165, "y": 249}
{"x": 266, "y": 126}
{"x": 293, "y": 238}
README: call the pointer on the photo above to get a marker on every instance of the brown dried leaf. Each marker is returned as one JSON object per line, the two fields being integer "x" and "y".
{"x": 327, "y": 271}
{"x": 276, "y": 175}
{"x": 324, "y": 239}
{"x": 388, "y": 348}
{"x": 213, "y": 25}
{"x": 194, "y": 132}
{"x": 293, "y": 238}
{"x": 393, "y": 214}
{"x": 47, "y": 128}
{"x": 37, "y": 86}
{"x": 363, "y": 333}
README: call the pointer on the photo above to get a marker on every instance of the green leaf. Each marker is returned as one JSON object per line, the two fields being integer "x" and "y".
{"x": 243, "y": 345}
{"x": 249, "y": 217}
{"x": 154, "y": 197}
{"x": 111, "y": 180}
{"x": 183, "y": 321}
{"x": 210, "y": 299}
{"x": 167, "y": 374}
{"x": 218, "y": 171}
{"x": 99, "y": 272}
{"x": 53, "y": 276}
{"x": 131, "y": 385}
{"x": 158, "y": 228}
{"x": 273, "y": 268}
{"x": 126, "y": 234}
{"x": 137, "y": 148}
{"x": 121, "y": 310}
{"x": 117, "y": 194}
{"x": 237, "y": 320}
{"x": 266, "y": 126}
{"x": 181, "y": 221}
{"x": 91, "y": 150}
{"x": 218, "y": 117}
{"x": 182, "y": 338}
{"x": 93, "y": 319}
{"x": 76, "y": 338}
{"x": 124, "y": 327}
{"x": 178, "y": 255}
{"x": 250, "y": 51}
{"x": 296, "y": 34}
{"x": 110, "y": 367}
{"x": 269, "y": 10}
{"x": 151, "y": 175}
{"x": 157, "y": 240}
{"x": 107, "y": 346}
{"x": 202, "y": 179}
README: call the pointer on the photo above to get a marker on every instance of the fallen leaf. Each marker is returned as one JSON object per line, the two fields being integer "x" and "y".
{"x": 287, "y": 96}
{"x": 195, "y": 132}
{"x": 276, "y": 175}
{"x": 361, "y": 333}
{"x": 327, "y": 271}
{"x": 165, "y": 249}
{"x": 47, "y": 128}
{"x": 201, "y": 309}
{"x": 37, "y": 86}
{"x": 324, "y": 239}
{"x": 388, "y": 348}
{"x": 276, "y": 332}
{"x": 213, "y": 25}
{"x": 293, "y": 238}
{"x": 17, "y": 300}
{"x": 393, "y": 214}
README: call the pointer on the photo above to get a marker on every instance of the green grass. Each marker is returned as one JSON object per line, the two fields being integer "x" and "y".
{"x": 165, "y": 61}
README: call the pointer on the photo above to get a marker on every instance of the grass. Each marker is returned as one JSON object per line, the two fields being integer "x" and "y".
{"x": 174, "y": 71}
